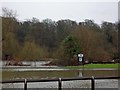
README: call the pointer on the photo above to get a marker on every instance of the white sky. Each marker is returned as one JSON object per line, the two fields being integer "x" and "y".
{"x": 104, "y": 10}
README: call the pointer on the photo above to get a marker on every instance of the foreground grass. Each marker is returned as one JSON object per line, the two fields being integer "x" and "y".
{"x": 95, "y": 66}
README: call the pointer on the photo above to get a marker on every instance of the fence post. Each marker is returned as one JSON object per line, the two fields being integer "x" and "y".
{"x": 59, "y": 84}
{"x": 25, "y": 84}
{"x": 92, "y": 83}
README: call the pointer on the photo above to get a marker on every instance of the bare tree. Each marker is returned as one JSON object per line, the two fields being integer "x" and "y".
{"x": 8, "y": 12}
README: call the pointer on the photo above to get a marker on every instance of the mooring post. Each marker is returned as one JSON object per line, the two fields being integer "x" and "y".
{"x": 25, "y": 84}
{"x": 92, "y": 83}
{"x": 59, "y": 84}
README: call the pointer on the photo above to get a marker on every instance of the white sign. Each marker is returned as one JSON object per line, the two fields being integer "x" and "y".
{"x": 80, "y": 55}
{"x": 80, "y": 59}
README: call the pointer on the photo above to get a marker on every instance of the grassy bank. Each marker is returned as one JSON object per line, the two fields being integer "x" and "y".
{"x": 95, "y": 66}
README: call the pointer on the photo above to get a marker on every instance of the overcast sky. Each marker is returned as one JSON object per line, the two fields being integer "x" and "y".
{"x": 74, "y": 10}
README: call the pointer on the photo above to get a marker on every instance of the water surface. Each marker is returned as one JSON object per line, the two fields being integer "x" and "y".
{"x": 40, "y": 74}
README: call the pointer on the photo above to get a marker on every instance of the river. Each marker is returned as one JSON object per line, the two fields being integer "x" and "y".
{"x": 40, "y": 71}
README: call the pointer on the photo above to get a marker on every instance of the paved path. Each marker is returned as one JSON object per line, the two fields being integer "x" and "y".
{"x": 68, "y": 84}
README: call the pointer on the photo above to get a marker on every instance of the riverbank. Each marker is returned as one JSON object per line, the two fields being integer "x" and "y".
{"x": 94, "y": 66}
{"x": 42, "y": 66}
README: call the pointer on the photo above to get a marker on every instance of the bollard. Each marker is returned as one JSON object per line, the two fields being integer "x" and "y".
{"x": 59, "y": 84}
{"x": 25, "y": 84}
{"x": 92, "y": 83}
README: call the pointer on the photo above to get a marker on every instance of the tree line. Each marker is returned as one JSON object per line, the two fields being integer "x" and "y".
{"x": 60, "y": 40}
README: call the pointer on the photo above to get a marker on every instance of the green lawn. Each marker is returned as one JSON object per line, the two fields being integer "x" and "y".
{"x": 95, "y": 66}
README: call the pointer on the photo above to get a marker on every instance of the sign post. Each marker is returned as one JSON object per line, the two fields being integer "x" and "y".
{"x": 81, "y": 61}
{"x": 81, "y": 58}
